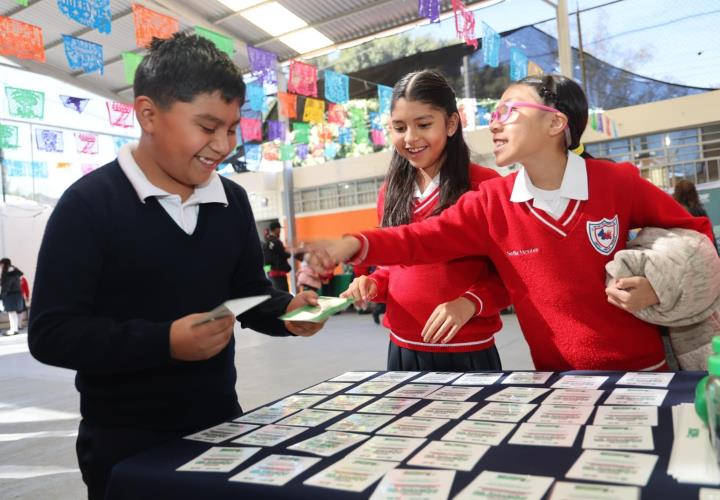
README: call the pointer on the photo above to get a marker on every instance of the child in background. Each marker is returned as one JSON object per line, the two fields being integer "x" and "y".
{"x": 441, "y": 316}
{"x": 549, "y": 229}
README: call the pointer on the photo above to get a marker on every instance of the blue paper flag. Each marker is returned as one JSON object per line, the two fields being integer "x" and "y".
{"x": 384, "y": 98}
{"x": 49, "y": 140}
{"x": 75, "y": 103}
{"x": 302, "y": 151}
{"x": 518, "y": 64}
{"x": 375, "y": 122}
{"x": 337, "y": 87}
{"x": 84, "y": 55}
{"x": 345, "y": 135}
{"x": 91, "y": 13}
{"x": 255, "y": 97}
{"x": 331, "y": 150}
{"x": 276, "y": 130}
{"x": 253, "y": 156}
{"x": 490, "y": 46}
{"x": 120, "y": 141}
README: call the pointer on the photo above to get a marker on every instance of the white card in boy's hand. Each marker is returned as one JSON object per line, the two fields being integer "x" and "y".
{"x": 234, "y": 307}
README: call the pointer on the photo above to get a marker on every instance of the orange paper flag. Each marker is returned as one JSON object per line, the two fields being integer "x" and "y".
{"x": 22, "y": 40}
{"x": 149, "y": 24}
{"x": 288, "y": 104}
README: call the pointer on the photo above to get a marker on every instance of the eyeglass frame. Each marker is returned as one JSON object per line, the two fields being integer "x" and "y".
{"x": 495, "y": 115}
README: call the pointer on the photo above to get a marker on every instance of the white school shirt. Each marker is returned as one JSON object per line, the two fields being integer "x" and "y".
{"x": 185, "y": 214}
{"x": 574, "y": 186}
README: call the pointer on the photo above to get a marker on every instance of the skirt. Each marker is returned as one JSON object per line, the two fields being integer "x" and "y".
{"x": 402, "y": 359}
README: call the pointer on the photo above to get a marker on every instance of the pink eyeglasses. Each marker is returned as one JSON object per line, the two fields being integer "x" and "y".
{"x": 504, "y": 109}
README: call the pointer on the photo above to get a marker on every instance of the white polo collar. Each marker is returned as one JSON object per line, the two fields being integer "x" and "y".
{"x": 429, "y": 189}
{"x": 210, "y": 192}
{"x": 574, "y": 183}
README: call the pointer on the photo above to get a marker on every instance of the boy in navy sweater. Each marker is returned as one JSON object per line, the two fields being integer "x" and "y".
{"x": 136, "y": 251}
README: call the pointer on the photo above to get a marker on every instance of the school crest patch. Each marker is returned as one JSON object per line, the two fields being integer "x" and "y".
{"x": 603, "y": 234}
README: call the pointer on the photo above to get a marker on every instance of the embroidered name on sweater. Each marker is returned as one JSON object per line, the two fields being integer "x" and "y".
{"x": 603, "y": 234}
{"x": 523, "y": 251}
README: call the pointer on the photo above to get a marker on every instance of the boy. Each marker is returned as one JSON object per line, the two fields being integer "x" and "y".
{"x": 135, "y": 249}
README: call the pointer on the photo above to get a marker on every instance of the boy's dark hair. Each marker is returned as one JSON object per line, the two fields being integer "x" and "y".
{"x": 181, "y": 67}
{"x": 429, "y": 87}
{"x": 686, "y": 194}
{"x": 565, "y": 95}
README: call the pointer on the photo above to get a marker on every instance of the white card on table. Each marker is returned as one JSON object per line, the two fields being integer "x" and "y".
{"x": 517, "y": 394}
{"x": 345, "y": 402}
{"x": 221, "y": 432}
{"x": 527, "y": 378}
{"x": 479, "y": 432}
{"x": 709, "y": 494}
{"x": 636, "y": 396}
{"x": 564, "y": 490}
{"x": 445, "y": 409}
{"x": 413, "y": 426}
{"x": 373, "y": 387}
{"x": 219, "y": 459}
{"x": 647, "y": 379}
{"x": 392, "y": 406}
{"x": 478, "y": 379}
{"x": 352, "y": 377}
{"x": 298, "y": 401}
{"x": 361, "y": 422}
{"x": 275, "y": 470}
{"x": 616, "y": 437}
{"x": 454, "y": 393}
{"x": 546, "y": 435}
{"x": 622, "y": 467}
{"x": 326, "y": 388}
{"x": 351, "y": 474}
{"x": 580, "y": 382}
{"x": 437, "y": 378}
{"x": 490, "y": 484}
{"x": 582, "y": 397}
{"x": 395, "y": 376}
{"x": 416, "y": 484}
{"x": 267, "y": 415}
{"x": 449, "y": 455}
{"x": 310, "y": 417}
{"x": 503, "y": 412}
{"x": 270, "y": 435}
{"x": 391, "y": 448}
{"x": 561, "y": 414}
{"x": 328, "y": 443}
{"x": 414, "y": 391}
{"x": 626, "y": 415}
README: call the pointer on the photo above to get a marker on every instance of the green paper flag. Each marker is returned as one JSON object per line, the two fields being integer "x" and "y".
{"x": 8, "y": 137}
{"x": 24, "y": 103}
{"x": 302, "y": 132}
{"x": 222, "y": 42}
{"x": 22, "y": 2}
{"x": 131, "y": 61}
{"x": 287, "y": 152}
{"x": 358, "y": 118}
{"x": 361, "y": 135}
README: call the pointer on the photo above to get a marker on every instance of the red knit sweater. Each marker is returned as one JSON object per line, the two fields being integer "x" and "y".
{"x": 413, "y": 292}
{"x": 554, "y": 270}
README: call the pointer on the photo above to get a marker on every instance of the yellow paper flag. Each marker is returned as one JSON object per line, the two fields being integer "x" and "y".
{"x": 314, "y": 110}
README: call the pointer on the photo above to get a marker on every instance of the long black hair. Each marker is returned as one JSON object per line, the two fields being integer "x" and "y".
{"x": 428, "y": 87}
{"x": 565, "y": 95}
{"x": 6, "y": 264}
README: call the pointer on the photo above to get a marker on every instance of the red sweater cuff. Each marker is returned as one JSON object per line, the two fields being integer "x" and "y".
{"x": 361, "y": 254}
{"x": 475, "y": 300}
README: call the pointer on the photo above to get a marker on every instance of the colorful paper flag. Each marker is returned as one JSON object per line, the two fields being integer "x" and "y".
{"x": 223, "y": 43}
{"x": 276, "y": 130}
{"x": 48, "y": 140}
{"x": 120, "y": 114}
{"x": 491, "y": 46}
{"x": 287, "y": 152}
{"x": 21, "y": 40}
{"x": 63, "y": 164}
{"x": 91, "y": 13}
{"x": 429, "y": 9}
{"x": 253, "y": 156}
{"x": 119, "y": 141}
{"x": 358, "y": 118}
{"x": 24, "y": 103}
{"x": 464, "y": 23}
{"x": 303, "y": 79}
{"x": 345, "y": 135}
{"x": 599, "y": 121}
{"x": 375, "y": 121}
{"x": 337, "y": 87}
{"x": 75, "y": 103}
{"x": 9, "y": 137}
{"x": 466, "y": 110}
{"x": 608, "y": 128}
{"x": 24, "y": 3}
{"x": 149, "y": 24}
{"x": 86, "y": 168}
{"x": 362, "y": 135}
{"x": 84, "y": 55}
{"x": 614, "y": 130}
{"x": 331, "y": 150}
{"x": 518, "y": 64}
{"x": 301, "y": 133}
{"x": 131, "y": 61}
{"x": 336, "y": 114}
{"x": 288, "y": 104}
{"x": 384, "y": 98}
{"x": 251, "y": 129}
{"x": 263, "y": 64}
{"x": 378, "y": 137}
{"x": 86, "y": 143}
{"x": 533, "y": 69}
{"x": 255, "y": 96}
{"x": 314, "y": 110}
{"x": 39, "y": 169}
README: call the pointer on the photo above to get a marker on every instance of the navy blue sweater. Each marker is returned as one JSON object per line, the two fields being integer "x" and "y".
{"x": 113, "y": 273}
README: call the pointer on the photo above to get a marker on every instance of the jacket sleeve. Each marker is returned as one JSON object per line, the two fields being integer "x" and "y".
{"x": 381, "y": 277}
{"x": 64, "y": 329}
{"x": 489, "y": 296}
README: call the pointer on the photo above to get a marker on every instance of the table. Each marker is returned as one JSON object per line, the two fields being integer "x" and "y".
{"x": 152, "y": 475}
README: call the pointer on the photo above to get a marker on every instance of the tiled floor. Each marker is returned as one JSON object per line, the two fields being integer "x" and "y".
{"x": 39, "y": 404}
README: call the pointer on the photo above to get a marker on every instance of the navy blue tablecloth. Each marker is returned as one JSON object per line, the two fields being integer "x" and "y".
{"x": 152, "y": 474}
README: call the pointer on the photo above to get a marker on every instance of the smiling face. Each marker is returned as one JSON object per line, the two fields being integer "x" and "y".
{"x": 528, "y": 131}
{"x": 420, "y": 132}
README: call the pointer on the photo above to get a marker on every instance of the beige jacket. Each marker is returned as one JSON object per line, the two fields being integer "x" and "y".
{"x": 684, "y": 270}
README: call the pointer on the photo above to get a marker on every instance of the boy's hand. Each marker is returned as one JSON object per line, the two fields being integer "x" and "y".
{"x": 326, "y": 254}
{"x": 303, "y": 328}
{"x": 632, "y": 294}
{"x": 197, "y": 343}
{"x": 447, "y": 319}
{"x": 362, "y": 290}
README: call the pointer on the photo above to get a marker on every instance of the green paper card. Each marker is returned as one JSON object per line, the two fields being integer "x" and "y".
{"x": 317, "y": 314}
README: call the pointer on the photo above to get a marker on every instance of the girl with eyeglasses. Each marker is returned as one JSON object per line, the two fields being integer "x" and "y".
{"x": 549, "y": 229}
